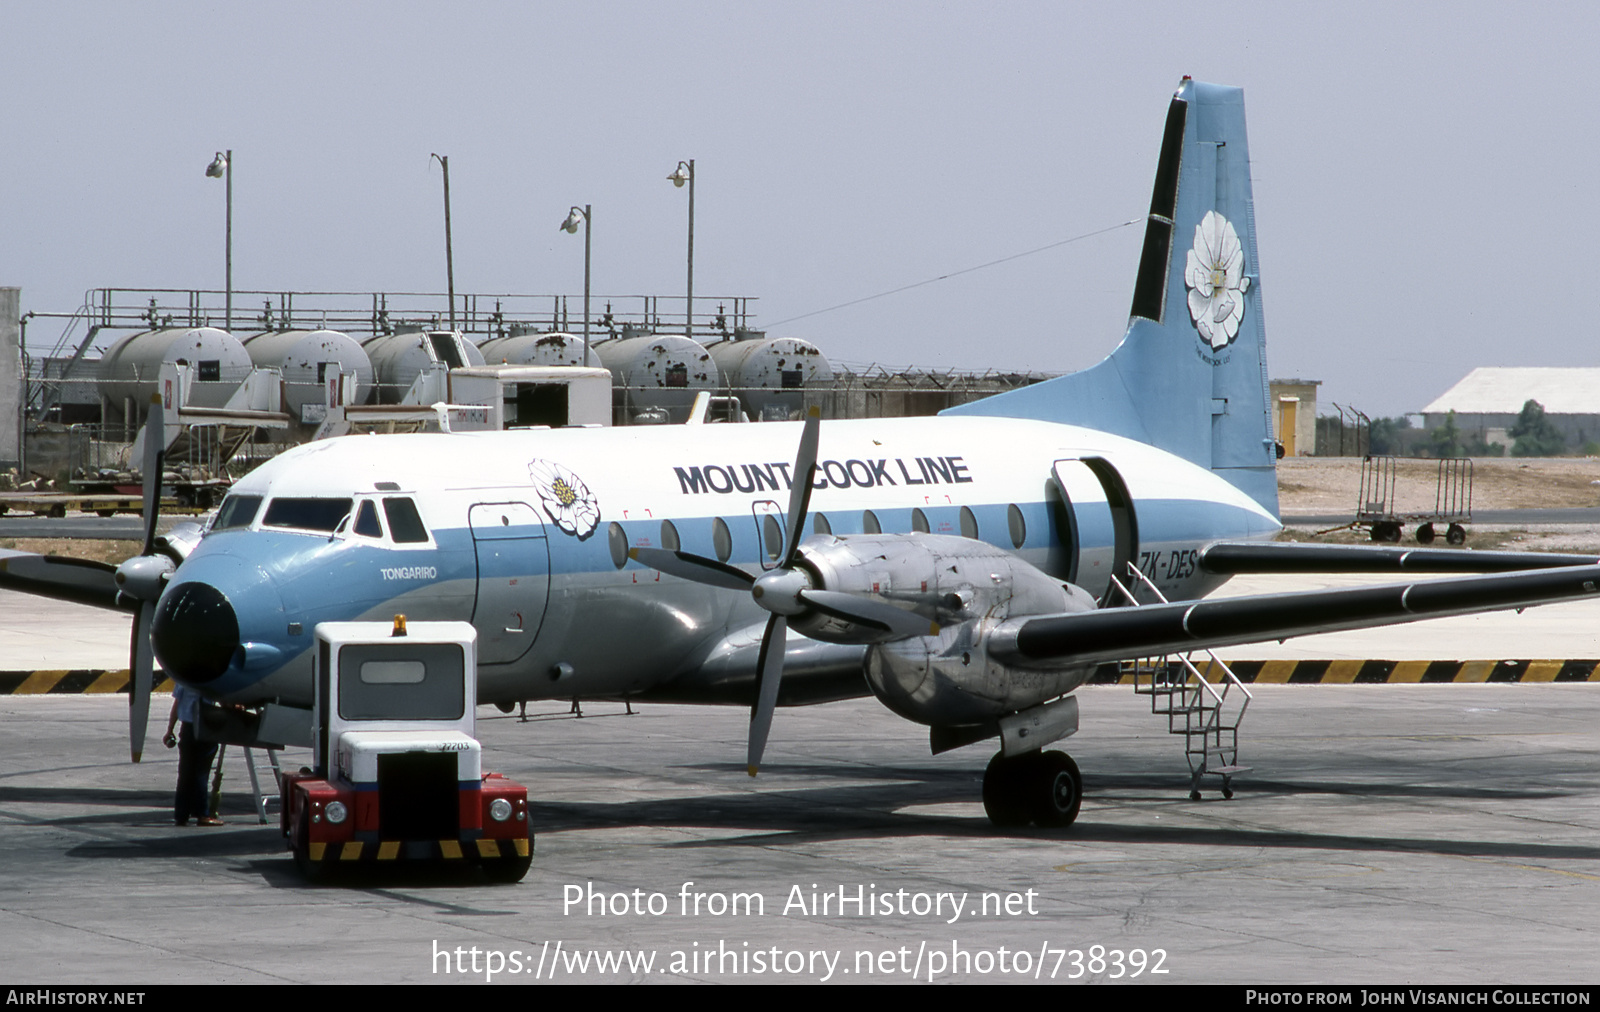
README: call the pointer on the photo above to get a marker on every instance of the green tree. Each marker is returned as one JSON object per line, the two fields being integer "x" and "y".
{"x": 1535, "y": 434}
{"x": 1445, "y": 440}
{"x": 1385, "y": 434}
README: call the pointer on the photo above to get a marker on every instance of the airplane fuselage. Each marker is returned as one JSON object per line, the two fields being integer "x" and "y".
{"x": 525, "y": 533}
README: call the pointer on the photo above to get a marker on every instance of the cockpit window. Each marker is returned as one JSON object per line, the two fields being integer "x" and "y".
{"x": 367, "y": 520}
{"x": 404, "y": 523}
{"x": 236, "y": 511}
{"x": 307, "y": 514}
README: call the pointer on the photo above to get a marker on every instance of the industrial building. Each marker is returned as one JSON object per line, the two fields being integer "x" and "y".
{"x": 1489, "y": 399}
{"x": 1294, "y": 415}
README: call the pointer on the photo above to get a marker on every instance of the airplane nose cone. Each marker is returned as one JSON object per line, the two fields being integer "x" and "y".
{"x": 195, "y": 632}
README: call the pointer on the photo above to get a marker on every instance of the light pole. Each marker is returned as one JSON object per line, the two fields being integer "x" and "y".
{"x": 221, "y": 167}
{"x": 449, "y": 255}
{"x": 570, "y": 226}
{"x": 684, "y": 173}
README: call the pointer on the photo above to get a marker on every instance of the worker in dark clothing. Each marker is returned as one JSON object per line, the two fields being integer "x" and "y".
{"x": 191, "y": 800}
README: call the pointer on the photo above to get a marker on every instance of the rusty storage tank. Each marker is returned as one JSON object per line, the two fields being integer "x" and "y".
{"x": 306, "y": 358}
{"x": 132, "y": 366}
{"x": 769, "y": 375}
{"x": 554, "y": 348}
{"x": 398, "y": 359}
{"x": 653, "y": 373}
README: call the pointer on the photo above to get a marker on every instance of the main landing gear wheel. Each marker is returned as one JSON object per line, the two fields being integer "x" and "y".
{"x": 1005, "y": 782}
{"x": 1058, "y": 791}
{"x": 1042, "y": 788}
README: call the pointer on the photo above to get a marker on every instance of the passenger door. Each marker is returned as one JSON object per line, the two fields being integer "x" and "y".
{"x": 513, "y": 579}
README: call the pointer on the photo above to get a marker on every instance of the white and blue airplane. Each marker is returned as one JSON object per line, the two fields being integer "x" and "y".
{"x": 959, "y": 568}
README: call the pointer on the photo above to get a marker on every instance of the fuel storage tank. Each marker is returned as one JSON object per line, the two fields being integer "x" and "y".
{"x": 656, "y": 373}
{"x": 307, "y": 358}
{"x": 132, "y": 367}
{"x": 769, "y": 375}
{"x": 398, "y": 359}
{"x": 554, "y": 348}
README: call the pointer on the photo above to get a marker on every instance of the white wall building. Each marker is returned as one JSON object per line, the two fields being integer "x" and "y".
{"x": 1489, "y": 399}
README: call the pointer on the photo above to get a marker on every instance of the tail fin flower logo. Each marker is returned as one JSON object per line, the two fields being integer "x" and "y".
{"x": 1216, "y": 280}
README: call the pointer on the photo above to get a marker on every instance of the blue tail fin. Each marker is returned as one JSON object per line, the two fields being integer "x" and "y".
{"x": 1190, "y": 375}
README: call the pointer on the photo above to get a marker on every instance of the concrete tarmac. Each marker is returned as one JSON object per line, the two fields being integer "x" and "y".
{"x": 1386, "y": 834}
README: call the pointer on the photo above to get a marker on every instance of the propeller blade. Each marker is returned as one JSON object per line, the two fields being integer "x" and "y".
{"x": 155, "y": 455}
{"x": 805, "y": 469}
{"x": 769, "y": 669}
{"x": 80, "y": 581}
{"x": 142, "y": 665}
{"x": 693, "y": 567}
{"x": 870, "y": 613}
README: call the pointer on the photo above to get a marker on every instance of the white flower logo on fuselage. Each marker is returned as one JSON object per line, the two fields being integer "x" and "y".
{"x": 567, "y": 501}
{"x": 1215, "y": 276}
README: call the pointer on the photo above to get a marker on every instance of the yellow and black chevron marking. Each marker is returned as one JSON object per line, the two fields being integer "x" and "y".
{"x": 424, "y": 850}
{"x": 59, "y": 681}
{"x": 1347, "y": 672}
{"x": 1350, "y": 672}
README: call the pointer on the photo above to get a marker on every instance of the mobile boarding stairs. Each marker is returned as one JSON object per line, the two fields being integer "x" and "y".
{"x": 1205, "y": 703}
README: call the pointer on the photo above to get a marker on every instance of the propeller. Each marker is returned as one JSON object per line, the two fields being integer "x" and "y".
{"x": 136, "y": 584}
{"x": 786, "y": 591}
{"x": 142, "y": 579}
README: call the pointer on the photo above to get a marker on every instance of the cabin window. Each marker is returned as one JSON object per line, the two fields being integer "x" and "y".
{"x": 820, "y": 525}
{"x": 236, "y": 511}
{"x": 869, "y": 523}
{"x": 919, "y": 521}
{"x": 669, "y": 536}
{"x": 1019, "y": 527}
{"x": 721, "y": 539}
{"x": 969, "y": 523}
{"x": 617, "y": 540}
{"x": 772, "y": 532}
{"x": 367, "y": 520}
{"x": 307, "y": 514}
{"x": 404, "y": 523}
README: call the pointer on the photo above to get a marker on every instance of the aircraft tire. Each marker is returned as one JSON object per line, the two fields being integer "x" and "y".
{"x": 1006, "y": 784}
{"x": 1057, "y": 791}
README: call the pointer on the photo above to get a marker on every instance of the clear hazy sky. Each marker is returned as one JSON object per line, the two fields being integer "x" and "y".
{"x": 1424, "y": 173}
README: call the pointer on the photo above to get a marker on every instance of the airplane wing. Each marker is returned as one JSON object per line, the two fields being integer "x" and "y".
{"x": 814, "y": 672}
{"x": 1231, "y": 558}
{"x": 77, "y": 580}
{"x": 1111, "y": 634}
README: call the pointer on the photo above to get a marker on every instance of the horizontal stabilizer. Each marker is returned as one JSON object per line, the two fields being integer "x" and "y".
{"x": 1150, "y": 630}
{"x": 1231, "y": 558}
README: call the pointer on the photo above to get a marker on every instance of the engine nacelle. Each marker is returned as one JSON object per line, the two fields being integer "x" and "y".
{"x": 177, "y": 543}
{"x": 968, "y": 588}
